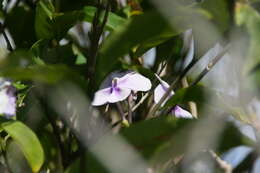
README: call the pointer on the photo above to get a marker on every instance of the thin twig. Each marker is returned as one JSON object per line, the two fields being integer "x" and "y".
{"x": 166, "y": 94}
{"x": 192, "y": 105}
{"x": 227, "y": 168}
{"x": 210, "y": 65}
{"x": 129, "y": 100}
{"x": 94, "y": 35}
{"x": 120, "y": 110}
{"x": 202, "y": 74}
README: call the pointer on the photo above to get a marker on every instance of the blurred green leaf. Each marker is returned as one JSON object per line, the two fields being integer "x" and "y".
{"x": 139, "y": 29}
{"x": 178, "y": 144}
{"x": 91, "y": 164}
{"x": 15, "y": 158}
{"x": 27, "y": 141}
{"x": 148, "y": 136}
{"x": 42, "y": 73}
{"x": 195, "y": 93}
{"x": 17, "y": 58}
{"x": 219, "y": 11}
{"x": 250, "y": 18}
{"x": 232, "y": 137}
{"x": 113, "y": 22}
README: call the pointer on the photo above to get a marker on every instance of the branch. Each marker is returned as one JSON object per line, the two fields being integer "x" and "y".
{"x": 94, "y": 35}
{"x": 227, "y": 168}
{"x": 192, "y": 105}
{"x": 210, "y": 65}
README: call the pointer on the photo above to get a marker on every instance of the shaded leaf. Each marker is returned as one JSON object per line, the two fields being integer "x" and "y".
{"x": 41, "y": 73}
{"x": 195, "y": 93}
{"x": 148, "y": 136}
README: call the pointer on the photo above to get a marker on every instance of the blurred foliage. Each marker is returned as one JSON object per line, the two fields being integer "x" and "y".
{"x": 55, "y": 42}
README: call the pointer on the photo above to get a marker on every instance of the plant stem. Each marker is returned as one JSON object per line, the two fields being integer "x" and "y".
{"x": 120, "y": 110}
{"x": 129, "y": 100}
{"x": 222, "y": 164}
{"x": 192, "y": 105}
{"x": 95, "y": 35}
{"x": 178, "y": 79}
{"x": 210, "y": 65}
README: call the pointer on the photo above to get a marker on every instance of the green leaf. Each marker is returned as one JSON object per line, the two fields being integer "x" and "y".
{"x": 43, "y": 20}
{"x": 219, "y": 11}
{"x": 250, "y": 18}
{"x": 50, "y": 74}
{"x": 113, "y": 21}
{"x": 139, "y": 29}
{"x": 27, "y": 141}
{"x": 148, "y": 136}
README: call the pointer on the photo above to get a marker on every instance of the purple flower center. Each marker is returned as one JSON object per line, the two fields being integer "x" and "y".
{"x": 114, "y": 86}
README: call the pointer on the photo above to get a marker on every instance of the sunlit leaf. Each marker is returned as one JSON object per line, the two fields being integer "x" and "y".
{"x": 27, "y": 141}
{"x": 113, "y": 22}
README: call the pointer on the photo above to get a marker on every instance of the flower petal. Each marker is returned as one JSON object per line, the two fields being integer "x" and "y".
{"x": 181, "y": 113}
{"x": 158, "y": 93}
{"x": 108, "y": 80}
{"x": 135, "y": 82}
{"x": 119, "y": 94}
{"x": 101, "y": 97}
{"x": 160, "y": 90}
{"x": 8, "y": 101}
{"x": 104, "y": 96}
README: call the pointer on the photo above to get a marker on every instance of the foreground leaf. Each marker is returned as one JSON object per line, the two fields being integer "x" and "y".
{"x": 27, "y": 141}
{"x": 250, "y": 18}
{"x": 148, "y": 136}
